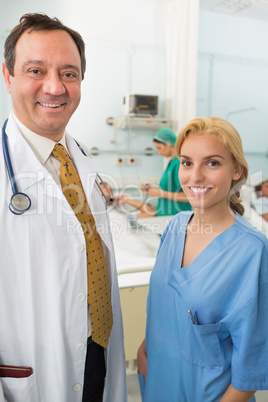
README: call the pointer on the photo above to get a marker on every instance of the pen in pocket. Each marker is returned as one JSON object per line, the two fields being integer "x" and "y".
{"x": 194, "y": 319}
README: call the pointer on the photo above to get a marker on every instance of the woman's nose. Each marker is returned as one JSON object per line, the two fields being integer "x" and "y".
{"x": 197, "y": 174}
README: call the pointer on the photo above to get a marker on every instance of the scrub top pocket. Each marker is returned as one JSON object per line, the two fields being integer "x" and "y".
{"x": 201, "y": 345}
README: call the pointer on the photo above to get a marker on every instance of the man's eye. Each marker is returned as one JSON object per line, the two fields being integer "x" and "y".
{"x": 35, "y": 71}
{"x": 69, "y": 75}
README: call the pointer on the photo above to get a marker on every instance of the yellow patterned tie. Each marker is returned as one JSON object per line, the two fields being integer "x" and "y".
{"x": 99, "y": 297}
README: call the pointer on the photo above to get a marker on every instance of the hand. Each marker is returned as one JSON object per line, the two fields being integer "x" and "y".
{"x": 142, "y": 360}
{"x": 151, "y": 191}
{"x": 154, "y": 192}
{"x": 121, "y": 199}
{"x": 145, "y": 187}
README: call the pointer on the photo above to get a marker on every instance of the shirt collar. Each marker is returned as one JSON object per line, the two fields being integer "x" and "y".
{"x": 41, "y": 146}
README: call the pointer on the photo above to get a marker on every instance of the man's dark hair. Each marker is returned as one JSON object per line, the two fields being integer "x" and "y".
{"x": 39, "y": 22}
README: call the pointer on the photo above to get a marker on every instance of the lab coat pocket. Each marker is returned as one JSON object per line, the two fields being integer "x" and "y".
{"x": 201, "y": 345}
{"x": 142, "y": 385}
{"x": 20, "y": 389}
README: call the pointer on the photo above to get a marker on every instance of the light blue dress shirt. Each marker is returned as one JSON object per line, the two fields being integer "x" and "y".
{"x": 226, "y": 289}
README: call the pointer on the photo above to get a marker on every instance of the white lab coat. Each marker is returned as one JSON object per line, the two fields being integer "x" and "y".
{"x": 43, "y": 284}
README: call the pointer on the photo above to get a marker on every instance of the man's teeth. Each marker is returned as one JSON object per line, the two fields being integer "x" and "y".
{"x": 49, "y": 105}
{"x": 199, "y": 189}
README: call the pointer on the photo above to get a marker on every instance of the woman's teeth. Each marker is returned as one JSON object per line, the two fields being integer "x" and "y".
{"x": 199, "y": 189}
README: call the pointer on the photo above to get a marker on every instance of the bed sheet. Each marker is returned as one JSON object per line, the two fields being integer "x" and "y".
{"x": 135, "y": 250}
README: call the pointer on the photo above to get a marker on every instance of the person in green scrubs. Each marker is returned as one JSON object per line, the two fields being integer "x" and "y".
{"x": 171, "y": 198}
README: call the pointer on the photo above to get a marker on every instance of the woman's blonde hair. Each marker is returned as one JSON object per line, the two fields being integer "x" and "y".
{"x": 230, "y": 138}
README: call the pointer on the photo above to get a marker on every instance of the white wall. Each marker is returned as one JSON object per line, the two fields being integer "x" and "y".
{"x": 11, "y": 11}
{"x": 125, "y": 54}
{"x": 232, "y": 79}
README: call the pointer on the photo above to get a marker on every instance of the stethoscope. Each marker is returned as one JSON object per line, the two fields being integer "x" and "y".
{"x": 21, "y": 202}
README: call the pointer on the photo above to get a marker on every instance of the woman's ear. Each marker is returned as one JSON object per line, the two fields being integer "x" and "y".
{"x": 238, "y": 170}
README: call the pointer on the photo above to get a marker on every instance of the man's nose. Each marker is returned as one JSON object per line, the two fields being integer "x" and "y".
{"x": 53, "y": 85}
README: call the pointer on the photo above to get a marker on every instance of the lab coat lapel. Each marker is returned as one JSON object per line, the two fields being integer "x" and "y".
{"x": 27, "y": 169}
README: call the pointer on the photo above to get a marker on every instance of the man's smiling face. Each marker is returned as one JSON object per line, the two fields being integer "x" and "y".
{"x": 46, "y": 86}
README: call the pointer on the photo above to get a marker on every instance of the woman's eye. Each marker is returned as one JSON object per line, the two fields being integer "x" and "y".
{"x": 186, "y": 163}
{"x": 213, "y": 163}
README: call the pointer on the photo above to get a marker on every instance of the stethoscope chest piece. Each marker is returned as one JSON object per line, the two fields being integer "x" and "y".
{"x": 19, "y": 203}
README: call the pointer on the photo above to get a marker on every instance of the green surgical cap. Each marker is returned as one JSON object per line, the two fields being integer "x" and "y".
{"x": 166, "y": 136}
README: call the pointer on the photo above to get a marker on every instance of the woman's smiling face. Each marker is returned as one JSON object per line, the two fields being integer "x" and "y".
{"x": 206, "y": 171}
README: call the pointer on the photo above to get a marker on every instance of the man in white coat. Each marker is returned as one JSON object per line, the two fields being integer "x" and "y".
{"x": 44, "y": 313}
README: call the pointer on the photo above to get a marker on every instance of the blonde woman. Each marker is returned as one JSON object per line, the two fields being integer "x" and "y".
{"x": 207, "y": 324}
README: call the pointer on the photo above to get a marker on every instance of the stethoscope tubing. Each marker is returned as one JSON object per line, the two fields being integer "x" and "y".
{"x": 7, "y": 160}
{"x": 22, "y": 197}
{"x": 17, "y": 199}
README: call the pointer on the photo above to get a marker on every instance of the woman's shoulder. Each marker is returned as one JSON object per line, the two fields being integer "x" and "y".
{"x": 182, "y": 216}
{"x": 248, "y": 230}
{"x": 176, "y": 227}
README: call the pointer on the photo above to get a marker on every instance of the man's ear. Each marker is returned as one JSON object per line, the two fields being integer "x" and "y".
{"x": 238, "y": 170}
{"x": 7, "y": 76}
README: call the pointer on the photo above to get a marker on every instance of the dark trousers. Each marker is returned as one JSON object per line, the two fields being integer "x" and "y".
{"x": 95, "y": 372}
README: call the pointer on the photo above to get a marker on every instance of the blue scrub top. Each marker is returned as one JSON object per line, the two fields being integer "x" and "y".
{"x": 226, "y": 288}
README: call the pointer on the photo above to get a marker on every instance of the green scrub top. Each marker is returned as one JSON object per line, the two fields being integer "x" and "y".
{"x": 170, "y": 182}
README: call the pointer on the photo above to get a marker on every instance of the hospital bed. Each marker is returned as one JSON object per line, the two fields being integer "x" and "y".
{"x": 248, "y": 195}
